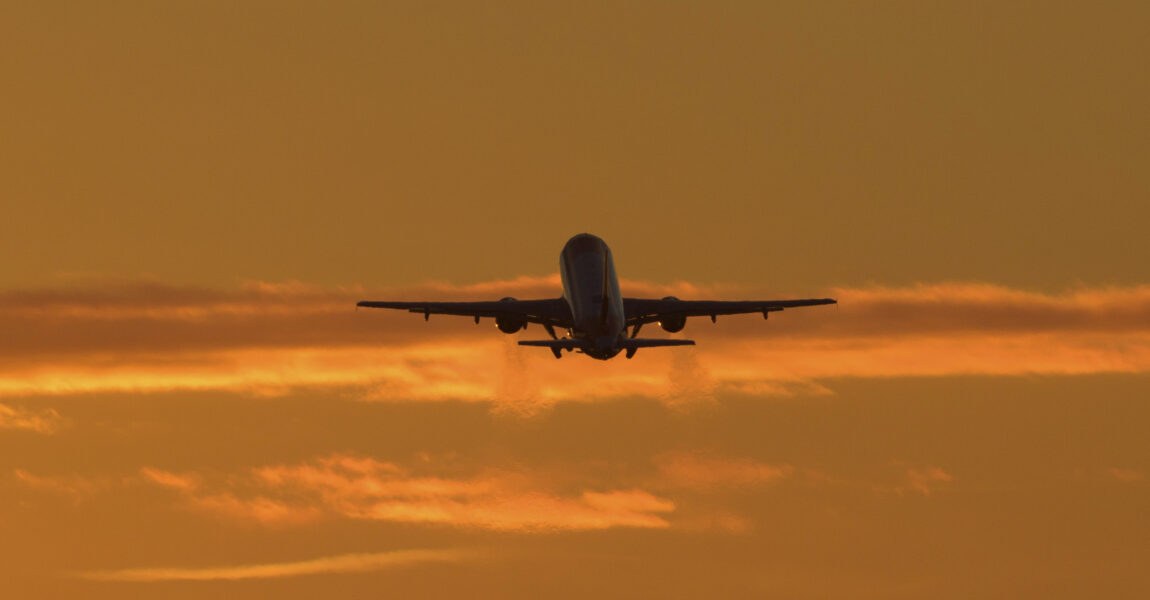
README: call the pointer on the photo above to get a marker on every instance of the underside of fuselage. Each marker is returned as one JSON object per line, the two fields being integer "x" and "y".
{"x": 591, "y": 289}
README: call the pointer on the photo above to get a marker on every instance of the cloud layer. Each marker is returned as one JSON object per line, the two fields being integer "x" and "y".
{"x": 345, "y": 486}
{"x": 445, "y": 492}
{"x": 267, "y": 338}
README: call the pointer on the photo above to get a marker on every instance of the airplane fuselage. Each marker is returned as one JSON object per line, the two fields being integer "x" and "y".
{"x": 591, "y": 289}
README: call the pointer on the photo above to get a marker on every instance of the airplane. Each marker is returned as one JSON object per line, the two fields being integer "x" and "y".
{"x": 593, "y": 312}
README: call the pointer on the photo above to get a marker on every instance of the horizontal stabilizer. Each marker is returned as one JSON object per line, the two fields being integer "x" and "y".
{"x": 563, "y": 344}
{"x": 571, "y": 344}
{"x": 653, "y": 343}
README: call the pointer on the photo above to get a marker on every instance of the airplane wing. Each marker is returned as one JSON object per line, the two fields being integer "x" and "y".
{"x": 640, "y": 311}
{"x": 554, "y": 312}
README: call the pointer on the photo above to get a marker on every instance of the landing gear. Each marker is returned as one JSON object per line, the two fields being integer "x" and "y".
{"x": 557, "y": 351}
{"x": 631, "y": 352}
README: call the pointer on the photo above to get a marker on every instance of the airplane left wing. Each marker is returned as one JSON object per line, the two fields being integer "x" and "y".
{"x": 640, "y": 311}
{"x": 553, "y": 313}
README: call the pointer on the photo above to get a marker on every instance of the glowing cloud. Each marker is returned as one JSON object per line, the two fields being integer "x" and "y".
{"x": 702, "y": 472}
{"x": 267, "y": 338}
{"x": 39, "y": 421}
{"x": 1126, "y": 475}
{"x": 345, "y": 563}
{"x": 78, "y": 487}
{"x": 363, "y": 488}
{"x": 926, "y": 480}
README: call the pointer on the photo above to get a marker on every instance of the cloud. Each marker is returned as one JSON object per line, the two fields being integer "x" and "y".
{"x": 1125, "y": 475}
{"x": 922, "y": 480}
{"x": 40, "y": 421}
{"x": 170, "y": 480}
{"x": 683, "y": 490}
{"x": 78, "y": 487}
{"x": 345, "y": 563}
{"x": 926, "y": 480}
{"x": 704, "y": 472}
{"x": 270, "y": 338}
{"x": 345, "y": 486}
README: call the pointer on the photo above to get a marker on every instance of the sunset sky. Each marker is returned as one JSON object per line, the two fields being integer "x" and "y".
{"x": 193, "y": 196}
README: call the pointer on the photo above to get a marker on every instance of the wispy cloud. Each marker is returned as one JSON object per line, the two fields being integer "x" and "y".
{"x": 682, "y": 489}
{"x": 926, "y": 480}
{"x": 920, "y": 480}
{"x": 1126, "y": 475}
{"x": 363, "y": 488}
{"x": 707, "y": 472}
{"x": 41, "y": 421}
{"x": 77, "y": 487}
{"x": 272, "y": 337}
{"x": 345, "y": 563}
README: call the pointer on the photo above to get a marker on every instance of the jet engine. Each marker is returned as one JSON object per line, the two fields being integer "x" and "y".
{"x": 672, "y": 323}
{"x": 508, "y": 324}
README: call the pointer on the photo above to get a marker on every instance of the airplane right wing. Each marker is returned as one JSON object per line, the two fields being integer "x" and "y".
{"x": 640, "y": 311}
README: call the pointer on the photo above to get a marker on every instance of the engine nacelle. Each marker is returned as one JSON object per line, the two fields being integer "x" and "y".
{"x": 510, "y": 324}
{"x": 672, "y": 323}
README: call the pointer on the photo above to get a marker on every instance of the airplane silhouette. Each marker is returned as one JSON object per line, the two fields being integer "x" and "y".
{"x": 594, "y": 313}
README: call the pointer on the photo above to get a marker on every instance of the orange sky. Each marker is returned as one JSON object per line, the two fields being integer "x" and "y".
{"x": 195, "y": 194}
